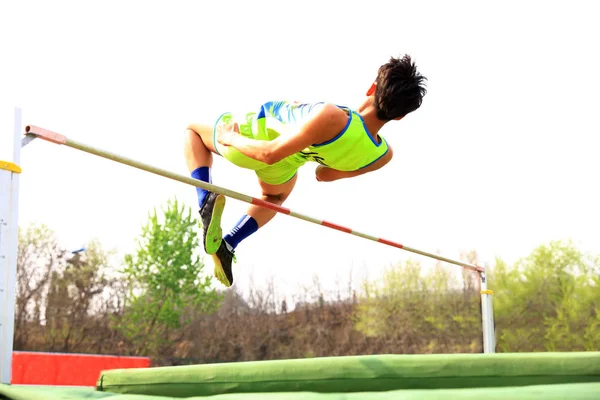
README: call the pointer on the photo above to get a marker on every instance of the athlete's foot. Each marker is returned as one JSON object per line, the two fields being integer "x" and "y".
{"x": 210, "y": 216}
{"x": 222, "y": 260}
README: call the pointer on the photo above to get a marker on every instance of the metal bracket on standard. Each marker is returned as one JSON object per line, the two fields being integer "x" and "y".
{"x": 27, "y": 139}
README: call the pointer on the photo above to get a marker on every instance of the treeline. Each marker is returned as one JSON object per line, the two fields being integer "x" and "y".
{"x": 158, "y": 302}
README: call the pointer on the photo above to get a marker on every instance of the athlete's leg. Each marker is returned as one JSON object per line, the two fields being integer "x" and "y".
{"x": 198, "y": 149}
{"x": 255, "y": 218}
{"x": 198, "y": 146}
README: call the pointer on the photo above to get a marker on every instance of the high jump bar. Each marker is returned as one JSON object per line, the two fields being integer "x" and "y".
{"x": 57, "y": 138}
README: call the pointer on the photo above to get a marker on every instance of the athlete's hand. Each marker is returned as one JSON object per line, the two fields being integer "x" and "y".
{"x": 325, "y": 174}
{"x": 227, "y": 132}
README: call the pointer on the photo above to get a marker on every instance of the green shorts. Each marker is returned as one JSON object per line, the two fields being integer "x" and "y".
{"x": 275, "y": 174}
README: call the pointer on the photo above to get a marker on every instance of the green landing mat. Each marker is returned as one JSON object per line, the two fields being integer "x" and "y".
{"x": 357, "y": 374}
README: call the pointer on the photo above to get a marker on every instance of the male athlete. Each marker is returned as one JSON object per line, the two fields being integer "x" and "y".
{"x": 280, "y": 137}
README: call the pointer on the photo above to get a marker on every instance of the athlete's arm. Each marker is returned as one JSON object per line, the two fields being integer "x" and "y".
{"x": 325, "y": 124}
{"x": 326, "y": 174}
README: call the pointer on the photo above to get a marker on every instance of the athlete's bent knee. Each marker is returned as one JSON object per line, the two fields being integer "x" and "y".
{"x": 275, "y": 198}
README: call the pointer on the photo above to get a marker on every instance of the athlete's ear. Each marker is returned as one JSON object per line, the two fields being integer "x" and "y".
{"x": 371, "y": 89}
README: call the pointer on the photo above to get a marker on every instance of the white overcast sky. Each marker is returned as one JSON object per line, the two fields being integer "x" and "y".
{"x": 502, "y": 157}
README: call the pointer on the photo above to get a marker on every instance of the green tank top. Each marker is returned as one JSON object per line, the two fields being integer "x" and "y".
{"x": 351, "y": 149}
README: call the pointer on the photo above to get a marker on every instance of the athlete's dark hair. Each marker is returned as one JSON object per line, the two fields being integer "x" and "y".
{"x": 399, "y": 88}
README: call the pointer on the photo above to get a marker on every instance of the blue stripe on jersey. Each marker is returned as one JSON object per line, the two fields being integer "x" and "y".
{"x": 284, "y": 111}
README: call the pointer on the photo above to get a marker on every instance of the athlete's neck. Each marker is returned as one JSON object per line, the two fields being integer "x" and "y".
{"x": 369, "y": 114}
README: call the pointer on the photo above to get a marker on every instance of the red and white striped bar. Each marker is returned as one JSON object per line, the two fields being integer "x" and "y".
{"x": 32, "y": 130}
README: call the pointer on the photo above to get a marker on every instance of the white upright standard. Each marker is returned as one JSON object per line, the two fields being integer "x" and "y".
{"x": 487, "y": 316}
{"x": 9, "y": 233}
